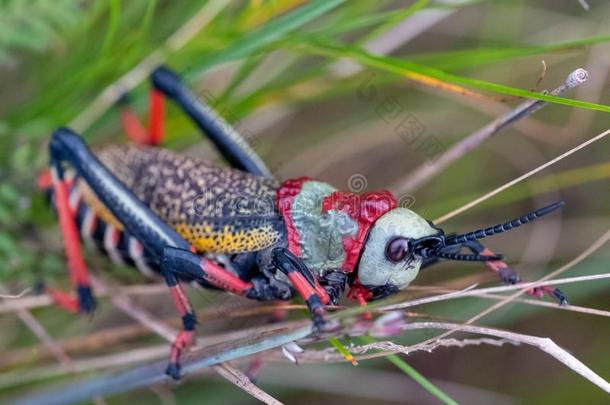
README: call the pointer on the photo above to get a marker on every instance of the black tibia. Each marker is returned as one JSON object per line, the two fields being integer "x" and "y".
{"x": 380, "y": 292}
{"x": 227, "y": 140}
{"x": 303, "y": 282}
{"x": 334, "y": 283}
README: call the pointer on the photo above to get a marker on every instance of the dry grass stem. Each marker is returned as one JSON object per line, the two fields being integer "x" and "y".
{"x": 231, "y": 374}
{"x": 426, "y": 172}
{"x": 471, "y": 292}
{"x": 532, "y": 302}
{"x": 15, "y": 296}
{"x": 519, "y": 179}
{"x": 238, "y": 378}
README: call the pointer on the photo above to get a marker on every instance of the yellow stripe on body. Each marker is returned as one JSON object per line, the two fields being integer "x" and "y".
{"x": 206, "y": 237}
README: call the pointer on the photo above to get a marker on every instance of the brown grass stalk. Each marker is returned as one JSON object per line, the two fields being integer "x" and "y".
{"x": 519, "y": 179}
{"x": 427, "y": 171}
{"x": 227, "y": 371}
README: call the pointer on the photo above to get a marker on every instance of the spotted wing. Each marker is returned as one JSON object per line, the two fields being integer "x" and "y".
{"x": 216, "y": 209}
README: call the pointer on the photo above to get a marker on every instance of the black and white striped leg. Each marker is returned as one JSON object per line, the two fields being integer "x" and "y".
{"x": 137, "y": 219}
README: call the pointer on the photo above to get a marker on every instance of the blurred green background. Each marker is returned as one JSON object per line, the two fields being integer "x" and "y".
{"x": 278, "y": 70}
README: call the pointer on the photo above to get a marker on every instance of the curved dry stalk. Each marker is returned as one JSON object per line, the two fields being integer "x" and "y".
{"x": 15, "y": 296}
{"x": 520, "y": 178}
{"x": 426, "y": 172}
{"x": 547, "y": 345}
{"x": 538, "y": 303}
{"x": 231, "y": 350}
{"x": 227, "y": 371}
{"x": 238, "y": 378}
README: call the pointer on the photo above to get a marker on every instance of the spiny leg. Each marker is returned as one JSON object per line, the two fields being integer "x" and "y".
{"x": 506, "y": 273}
{"x": 304, "y": 282}
{"x": 187, "y": 265}
{"x": 231, "y": 145}
{"x": 509, "y": 276}
{"x": 155, "y": 235}
{"x": 189, "y": 322}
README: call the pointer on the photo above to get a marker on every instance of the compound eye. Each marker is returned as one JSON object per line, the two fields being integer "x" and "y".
{"x": 397, "y": 249}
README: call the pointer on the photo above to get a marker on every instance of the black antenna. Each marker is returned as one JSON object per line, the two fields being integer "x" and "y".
{"x": 507, "y": 226}
{"x": 467, "y": 258}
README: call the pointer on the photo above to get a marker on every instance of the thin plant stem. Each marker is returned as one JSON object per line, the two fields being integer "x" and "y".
{"x": 519, "y": 179}
{"x": 416, "y": 376}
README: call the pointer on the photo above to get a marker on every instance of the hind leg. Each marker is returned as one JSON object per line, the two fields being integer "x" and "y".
{"x": 231, "y": 145}
{"x": 79, "y": 276}
{"x": 170, "y": 251}
{"x": 136, "y": 131}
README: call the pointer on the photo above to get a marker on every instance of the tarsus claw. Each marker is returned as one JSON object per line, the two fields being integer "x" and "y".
{"x": 173, "y": 370}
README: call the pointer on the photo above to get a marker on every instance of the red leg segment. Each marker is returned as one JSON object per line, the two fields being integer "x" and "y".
{"x": 79, "y": 275}
{"x": 187, "y": 334}
{"x": 187, "y": 264}
{"x": 133, "y": 127}
{"x": 157, "y": 116}
{"x": 509, "y": 276}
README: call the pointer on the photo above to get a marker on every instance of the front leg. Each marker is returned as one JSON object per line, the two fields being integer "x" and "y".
{"x": 510, "y": 276}
{"x": 506, "y": 273}
{"x": 334, "y": 283}
{"x": 304, "y": 282}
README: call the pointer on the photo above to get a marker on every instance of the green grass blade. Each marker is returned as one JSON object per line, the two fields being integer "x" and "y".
{"x": 343, "y": 350}
{"x": 147, "y": 20}
{"x": 455, "y": 60}
{"x": 113, "y": 24}
{"x": 416, "y": 376}
{"x": 420, "y": 379}
{"x": 407, "y": 68}
{"x": 271, "y": 31}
